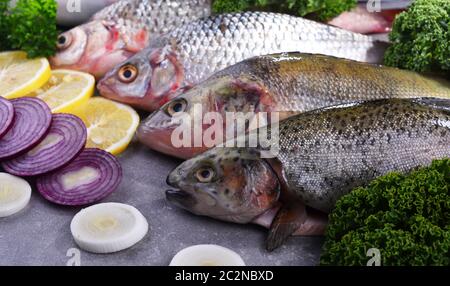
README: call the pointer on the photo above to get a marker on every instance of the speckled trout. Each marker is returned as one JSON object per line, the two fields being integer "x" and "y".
{"x": 285, "y": 83}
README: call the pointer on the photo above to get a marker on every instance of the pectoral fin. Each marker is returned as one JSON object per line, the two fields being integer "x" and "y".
{"x": 288, "y": 219}
{"x": 315, "y": 224}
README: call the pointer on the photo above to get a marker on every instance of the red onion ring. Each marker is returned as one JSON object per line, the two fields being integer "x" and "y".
{"x": 6, "y": 116}
{"x": 32, "y": 119}
{"x": 106, "y": 181}
{"x": 64, "y": 141}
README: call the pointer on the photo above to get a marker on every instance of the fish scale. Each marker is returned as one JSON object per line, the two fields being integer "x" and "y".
{"x": 157, "y": 16}
{"x": 322, "y": 155}
{"x": 211, "y": 44}
{"x": 288, "y": 83}
{"x": 300, "y": 82}
{"x": 121, "y": 30}
{"x": 327, "y": 153}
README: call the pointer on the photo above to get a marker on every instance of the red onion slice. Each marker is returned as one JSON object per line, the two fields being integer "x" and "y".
{"x": 32, "y": 119}
{"x": 91, "y": 177}
{"x": 64, "y": 141}
{"x": 6, "y": 116}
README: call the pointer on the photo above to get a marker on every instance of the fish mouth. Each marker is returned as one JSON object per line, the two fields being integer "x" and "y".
{"x": 160, "y": 121}
{"x": 106, "y": 91}
{"x": 156, "y": 133}
{"x": 180, "y": 198}
{"x": 177, "y": 196}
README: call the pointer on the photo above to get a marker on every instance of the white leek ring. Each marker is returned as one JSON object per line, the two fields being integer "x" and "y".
{"x": 207, "y": 255}
{"x": 108, "y": 227}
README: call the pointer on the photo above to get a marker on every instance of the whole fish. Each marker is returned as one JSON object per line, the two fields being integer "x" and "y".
{"x": 323, "y": 155}
{"x": 120, "y": 30}
{"x": 193, "y": 52}
{"x": 285, "y": 83}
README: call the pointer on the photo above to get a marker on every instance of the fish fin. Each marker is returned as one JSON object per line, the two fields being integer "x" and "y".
{"x": 288, "y": 219}
{"x": 438, "y": 103}
{"x": 315, "y": 224}
{"x": 135, "y": 43}
{"x": 257, "y": 95}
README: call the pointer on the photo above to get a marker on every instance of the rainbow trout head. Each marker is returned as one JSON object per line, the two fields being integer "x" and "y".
{"x": 158, "y": 131}
{"x": 229, "y": 184}
{"x": 146, "y": 81}
{"x": 96, "y": 47}
{"x": 206, "y": 106}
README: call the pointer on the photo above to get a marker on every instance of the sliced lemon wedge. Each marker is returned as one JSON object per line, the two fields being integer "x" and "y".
{"x": 111, "y": 125}
{"x": 66, "y": 90}
{"x": 19, "y": 75}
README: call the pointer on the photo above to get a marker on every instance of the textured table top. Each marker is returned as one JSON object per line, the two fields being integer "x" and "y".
{"x": 40, "y": 234}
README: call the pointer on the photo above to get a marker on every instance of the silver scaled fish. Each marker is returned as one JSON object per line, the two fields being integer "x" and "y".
{"x": 121, "y": 30}
{"x": 193, "y": 52}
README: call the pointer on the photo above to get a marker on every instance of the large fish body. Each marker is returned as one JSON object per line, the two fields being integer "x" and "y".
{"x": 326, "y": 154}
{"x": 288, "y": 84}
{"x": 193, "y": 52}
{"x": 322, "y": 156}
{"x": 122, "y": 29}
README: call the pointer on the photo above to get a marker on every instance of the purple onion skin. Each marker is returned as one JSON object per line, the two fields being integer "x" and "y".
{"x": 74, "y": 135}
{"x": 6, "y": 116}
{"x": 51, "y": 188}
{"x": 32, "y": 119}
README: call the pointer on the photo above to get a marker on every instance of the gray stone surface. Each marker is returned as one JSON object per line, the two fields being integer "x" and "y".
{"x": 40, "y": 234}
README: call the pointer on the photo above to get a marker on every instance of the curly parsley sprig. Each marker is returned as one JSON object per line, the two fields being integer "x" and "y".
{"x": 29, "y": 26}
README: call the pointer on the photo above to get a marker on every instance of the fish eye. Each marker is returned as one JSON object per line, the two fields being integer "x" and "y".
{"x": 177, "y": 106}
{"x": 205, "y": 175}
{"x": 128, "y": 73}
{"x": 64, "y": 41}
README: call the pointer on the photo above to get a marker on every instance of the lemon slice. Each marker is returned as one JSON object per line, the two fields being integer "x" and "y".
{"x": 111, "y": 125}
{"x": 19, "y": 75}
{"x": 66, "y": 90}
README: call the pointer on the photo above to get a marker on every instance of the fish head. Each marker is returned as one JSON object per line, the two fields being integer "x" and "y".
{"x": 229, "y": 184}
{"x": 220, "y": 96}
{"x": 158, "y": 129}
{"x": 146, "y": 81}
{"x": 96, "y": 47}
